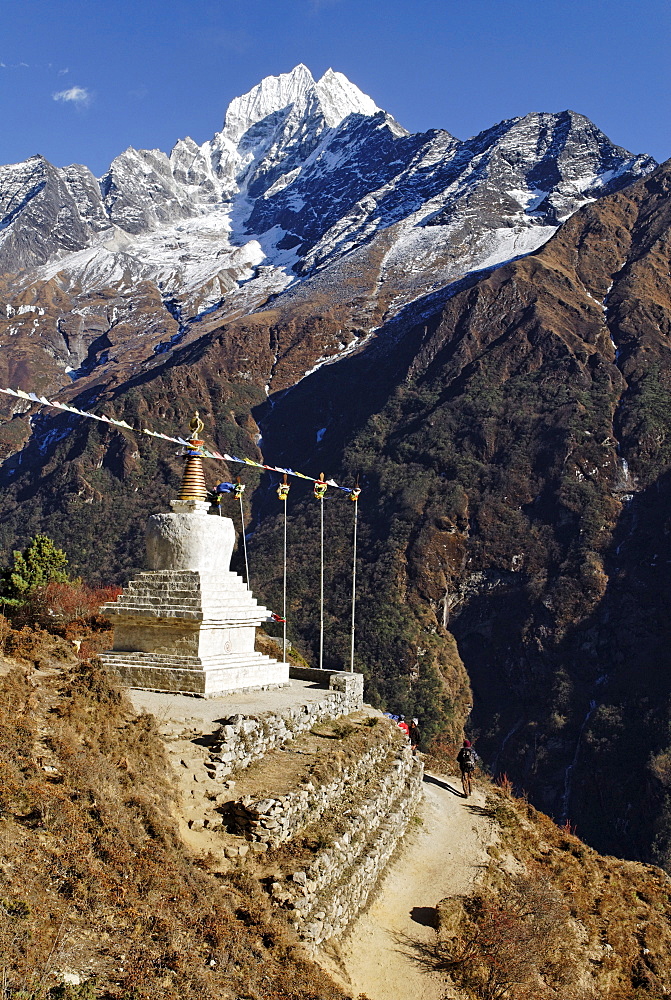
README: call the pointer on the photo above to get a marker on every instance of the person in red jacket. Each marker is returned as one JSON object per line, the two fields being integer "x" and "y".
{"x": 402, "y": 724}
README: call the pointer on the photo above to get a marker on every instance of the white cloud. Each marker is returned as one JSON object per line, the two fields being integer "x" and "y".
{"x": 79, "y": 96}
{"x": 62, "y": 72}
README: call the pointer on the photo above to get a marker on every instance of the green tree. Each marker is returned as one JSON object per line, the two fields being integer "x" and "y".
{"x": 40, "y": 563}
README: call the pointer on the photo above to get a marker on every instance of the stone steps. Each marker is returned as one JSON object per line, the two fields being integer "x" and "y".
{"x": 189, "y": 579}
{"x": 192, "y": 601}
{"x": 247, "y": 616}
{"x": 194, "y": 606}
{"x": 148, "y": 659}
{"x": 149, "y": 589}
{"x": 207, "y": 677}
{"x": 116, "y": 658}
{"x": 195, "y": 603}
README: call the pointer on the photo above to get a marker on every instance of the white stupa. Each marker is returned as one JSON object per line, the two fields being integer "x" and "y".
{"x": 188, "y": 624}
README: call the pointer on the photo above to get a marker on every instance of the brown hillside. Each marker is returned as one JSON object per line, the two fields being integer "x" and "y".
{"x": 95, "y": 880}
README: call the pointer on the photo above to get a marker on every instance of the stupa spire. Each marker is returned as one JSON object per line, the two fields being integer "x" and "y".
{"x": 192, "y": 491}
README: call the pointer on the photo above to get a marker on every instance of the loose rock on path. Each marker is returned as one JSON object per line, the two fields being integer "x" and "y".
{"x": 382, "y": 954}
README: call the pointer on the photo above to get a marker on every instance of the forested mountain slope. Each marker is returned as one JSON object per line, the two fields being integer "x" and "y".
{"x": 514, "y": 450}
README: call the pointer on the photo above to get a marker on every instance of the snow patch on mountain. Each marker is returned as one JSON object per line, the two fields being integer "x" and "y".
{"x": 504, "y": 245}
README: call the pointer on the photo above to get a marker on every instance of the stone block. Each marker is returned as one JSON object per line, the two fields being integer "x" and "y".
{"x": 338, "y": 883}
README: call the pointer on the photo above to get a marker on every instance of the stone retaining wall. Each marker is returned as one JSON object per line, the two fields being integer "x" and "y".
{"x": 275, "y": 820}
{"x": 331, "y": 892}
{"x": 243, "y": 739}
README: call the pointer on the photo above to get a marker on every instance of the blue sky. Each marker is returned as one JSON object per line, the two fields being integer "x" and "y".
{"x": 81, "y": 80}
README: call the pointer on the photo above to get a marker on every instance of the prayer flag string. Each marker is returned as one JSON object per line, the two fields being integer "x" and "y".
{"x": 205, "y": 452}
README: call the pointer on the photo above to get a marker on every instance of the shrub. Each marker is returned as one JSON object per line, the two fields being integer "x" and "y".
{"x": 514, "y": 942}
{"x": 442, "y": 754}
{"x": 39, "y": 564}
{"x": 341, "y": 730}
{"x": 67, "y": 602}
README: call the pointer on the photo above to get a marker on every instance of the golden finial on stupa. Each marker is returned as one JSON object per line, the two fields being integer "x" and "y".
{"x": 193, "y": 479}
{"x": 196, "y": 426}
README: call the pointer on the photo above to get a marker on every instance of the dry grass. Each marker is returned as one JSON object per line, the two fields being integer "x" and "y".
{"x": 554, "y": 919}
{"x": 93, "y": 876}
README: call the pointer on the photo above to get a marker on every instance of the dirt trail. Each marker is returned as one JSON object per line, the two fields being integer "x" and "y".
{"x": 381, "y": 954}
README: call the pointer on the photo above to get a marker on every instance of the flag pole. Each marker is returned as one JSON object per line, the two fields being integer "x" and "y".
{"x": 354, "y": 495}
{"x": 319, "y": 490}
{"x": 321, "y": 590}
{"x": 239, "y": 490}
{"x": 283, "y": 493}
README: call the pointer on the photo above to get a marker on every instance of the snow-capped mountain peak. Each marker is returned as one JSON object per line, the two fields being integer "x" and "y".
{"x": 273, "y": 93}
{"x": 334, "y": 96}
{"x": 340, "y": 98}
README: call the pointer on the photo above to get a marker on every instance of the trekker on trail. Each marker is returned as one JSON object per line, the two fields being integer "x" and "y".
{"x": 415, "y": 736}
{"x": 403, "y": 725}
{"x": 467, "y": 759}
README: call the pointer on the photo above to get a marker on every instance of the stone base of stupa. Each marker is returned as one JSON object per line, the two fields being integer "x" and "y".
{"x": 152, "y": 672}
{"x": 190, "y": 630}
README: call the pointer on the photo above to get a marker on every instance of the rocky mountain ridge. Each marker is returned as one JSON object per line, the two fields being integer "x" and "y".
{"x": 306, "y": 181}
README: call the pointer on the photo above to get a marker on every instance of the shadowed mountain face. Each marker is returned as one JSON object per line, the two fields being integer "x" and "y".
{"x": 514, "y": 451}
{"x": 309, "y": 281}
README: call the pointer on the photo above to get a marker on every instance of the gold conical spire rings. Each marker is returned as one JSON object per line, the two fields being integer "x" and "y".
{"x": 193, "y": 479}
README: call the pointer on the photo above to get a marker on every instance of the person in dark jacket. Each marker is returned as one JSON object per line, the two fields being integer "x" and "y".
{"x": 414, "y": 734}
{"x": 467, "y": 759}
